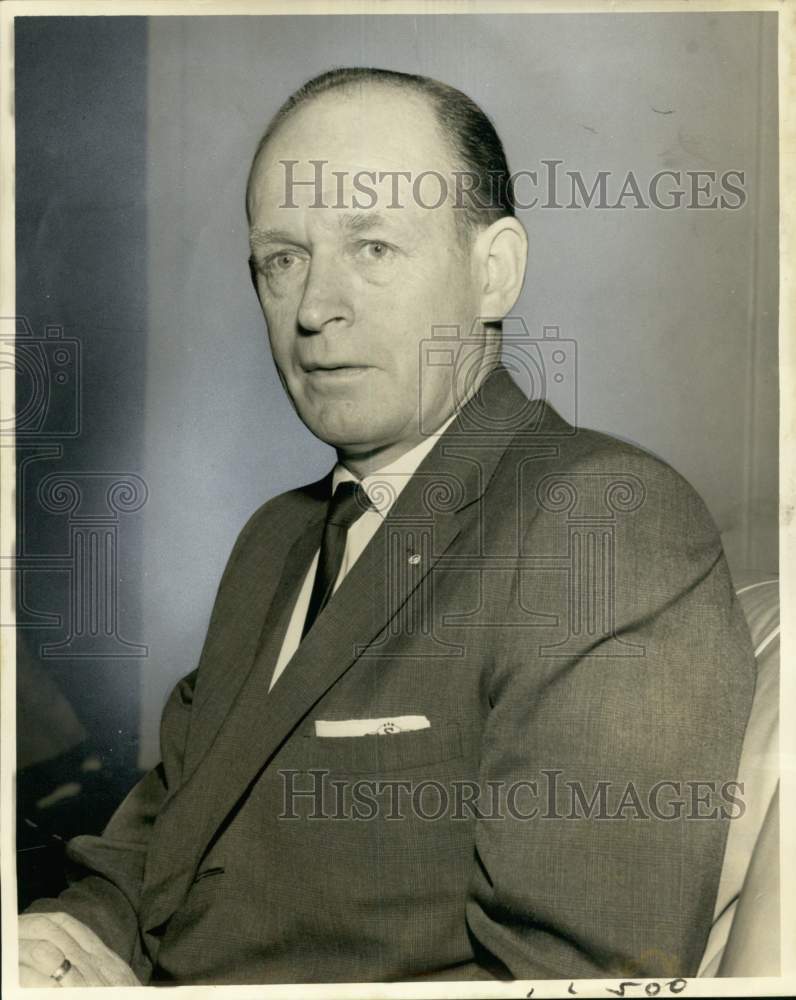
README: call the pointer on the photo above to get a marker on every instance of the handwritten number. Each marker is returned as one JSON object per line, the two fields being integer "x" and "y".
{"x": 651, "y": 989}
{"x": 621, "y": 991}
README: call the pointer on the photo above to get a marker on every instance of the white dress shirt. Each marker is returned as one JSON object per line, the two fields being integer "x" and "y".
{"x": 383, "y": 488}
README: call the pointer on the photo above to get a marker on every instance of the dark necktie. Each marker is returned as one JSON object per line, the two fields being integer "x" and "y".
{"x": 349, "y": 503}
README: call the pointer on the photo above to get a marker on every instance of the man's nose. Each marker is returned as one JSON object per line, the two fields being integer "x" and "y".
{"x": 326, "y": 297}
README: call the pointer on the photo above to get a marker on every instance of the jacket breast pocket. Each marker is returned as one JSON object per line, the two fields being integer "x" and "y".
{"x": 383, "y": 754}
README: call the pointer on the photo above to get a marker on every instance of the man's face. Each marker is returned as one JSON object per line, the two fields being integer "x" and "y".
{"x": 349, "y": 293}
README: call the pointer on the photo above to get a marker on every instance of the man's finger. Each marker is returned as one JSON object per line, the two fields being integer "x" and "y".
{"x": 43, "y": 956}
{"x": 39, "y": 928}
{"x": 87, "y": 939}
{"x": 111, "y": 966}
{"x": 85, "y": 936}
{"x": 32, "y": 977}
{"x": 76, "y": 977}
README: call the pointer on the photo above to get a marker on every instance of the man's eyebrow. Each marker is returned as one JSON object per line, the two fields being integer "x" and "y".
{"x": 263, "y": 237}
{"x": 351, "y": 222}
{"x": 360, "y": 222}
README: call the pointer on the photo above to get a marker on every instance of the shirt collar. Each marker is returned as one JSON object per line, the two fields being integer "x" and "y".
{"x": 384, "y": 485}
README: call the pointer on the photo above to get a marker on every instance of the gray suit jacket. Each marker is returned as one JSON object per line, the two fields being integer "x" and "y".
{"x": 557, "y": 604}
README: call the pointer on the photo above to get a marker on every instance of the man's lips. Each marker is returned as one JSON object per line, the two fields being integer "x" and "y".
{"x": 331, "y": 374}
{"x": 339, "y": 367}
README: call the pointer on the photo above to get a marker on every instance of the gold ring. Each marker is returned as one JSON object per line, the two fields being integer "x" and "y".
{"x": 61, "y": 971}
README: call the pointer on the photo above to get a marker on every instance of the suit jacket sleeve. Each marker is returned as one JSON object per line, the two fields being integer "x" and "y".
{"x": 106, "y": 873}
{"x": 579, "y": 893}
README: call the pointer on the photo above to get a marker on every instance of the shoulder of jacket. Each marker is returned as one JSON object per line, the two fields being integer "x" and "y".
{"x": 584, "y": 450}
{"x": 623, "y": 472}
{"x": 279, "y": 512}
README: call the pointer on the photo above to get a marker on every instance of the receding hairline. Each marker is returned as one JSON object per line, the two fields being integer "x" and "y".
{"x": 351, "y": 89}
{"x": 407, "y": 88}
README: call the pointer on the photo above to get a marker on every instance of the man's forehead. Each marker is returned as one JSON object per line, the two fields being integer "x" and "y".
{"x": 367, "y": 120}
{"x": 312, "y": 197}
{"x": 374, "y": 130}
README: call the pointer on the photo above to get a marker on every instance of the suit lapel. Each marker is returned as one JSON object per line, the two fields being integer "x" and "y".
{"x": 263, "y": 648}
{"x": 421, "y": 526}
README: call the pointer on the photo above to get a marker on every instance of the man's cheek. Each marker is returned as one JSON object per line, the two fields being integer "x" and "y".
{"x": 281, "y": 336}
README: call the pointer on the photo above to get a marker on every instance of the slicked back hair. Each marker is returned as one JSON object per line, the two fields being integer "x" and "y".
{"x": 475, "y": 145}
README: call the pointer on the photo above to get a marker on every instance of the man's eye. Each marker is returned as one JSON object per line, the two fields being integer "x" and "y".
{"x": 376, "y": 250}
{"x": 281, "y": 262}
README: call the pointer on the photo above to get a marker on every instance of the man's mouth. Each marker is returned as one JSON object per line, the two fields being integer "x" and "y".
{"x": 336, "y": 371}
{"x": 329, "y": 366}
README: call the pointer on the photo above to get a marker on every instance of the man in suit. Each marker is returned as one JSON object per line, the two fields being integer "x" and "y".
{"x": 471, "y": 706}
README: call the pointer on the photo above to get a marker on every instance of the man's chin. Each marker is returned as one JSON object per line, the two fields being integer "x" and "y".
{"x": 352, "y": 439}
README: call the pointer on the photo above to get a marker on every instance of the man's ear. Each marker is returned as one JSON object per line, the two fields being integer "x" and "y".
{"x": 500, "y": 253}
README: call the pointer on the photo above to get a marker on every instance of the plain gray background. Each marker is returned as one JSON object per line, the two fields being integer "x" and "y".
{"x": 674, "y": 313}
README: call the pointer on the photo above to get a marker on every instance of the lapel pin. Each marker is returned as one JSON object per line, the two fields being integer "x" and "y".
{"x": 414, "y": 559}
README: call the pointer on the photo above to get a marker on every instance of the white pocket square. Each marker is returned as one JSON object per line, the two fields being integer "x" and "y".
{"x": 371, "y": 727}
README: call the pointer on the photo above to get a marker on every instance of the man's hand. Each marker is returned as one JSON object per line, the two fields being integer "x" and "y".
{"x": 46, "y": 940}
